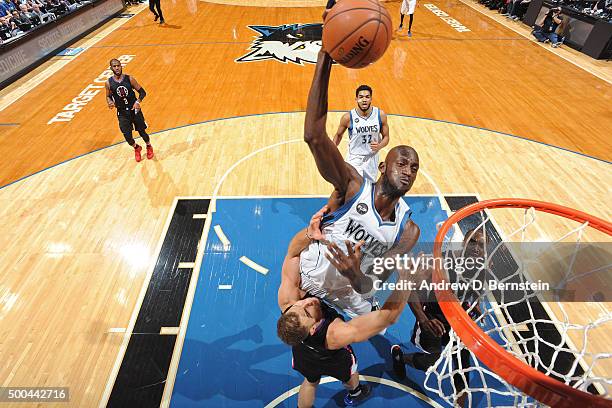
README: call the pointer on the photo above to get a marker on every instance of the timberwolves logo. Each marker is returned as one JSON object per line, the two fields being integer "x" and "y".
{"x": 362, "y": 208}
{"x": 295, "y": 43}
{"x": 122, "y": 91}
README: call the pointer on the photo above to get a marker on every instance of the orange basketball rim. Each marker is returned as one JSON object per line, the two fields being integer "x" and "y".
{"x": 524, "y": 377}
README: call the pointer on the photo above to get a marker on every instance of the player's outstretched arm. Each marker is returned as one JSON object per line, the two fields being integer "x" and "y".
{"x": 341, "y": 334}
{"x": 329, "y": 161}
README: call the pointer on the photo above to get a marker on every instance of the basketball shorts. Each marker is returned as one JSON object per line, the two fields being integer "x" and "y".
{"x": 408, "y": 7}
{"x": 340, "y": 367}
{"x": 365, "y": 165}
{"x": 131, "y": 120}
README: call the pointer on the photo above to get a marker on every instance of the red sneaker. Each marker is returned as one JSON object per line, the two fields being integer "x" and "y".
{"x": 149, "y": 152}
{"x": 137, "y": 150}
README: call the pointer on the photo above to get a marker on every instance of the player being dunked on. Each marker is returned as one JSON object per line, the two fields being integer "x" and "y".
{"x": 431, "y": 328}
{"x": 120, "y": 94}
{"x": 368, "y": 133}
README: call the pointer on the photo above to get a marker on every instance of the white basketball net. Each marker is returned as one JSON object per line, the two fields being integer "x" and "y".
{"x": 525, "y": 339}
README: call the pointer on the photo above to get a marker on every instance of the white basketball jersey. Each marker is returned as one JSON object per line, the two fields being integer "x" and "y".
{"x": 357, "y": 220}
{"x": 363, "y": 131}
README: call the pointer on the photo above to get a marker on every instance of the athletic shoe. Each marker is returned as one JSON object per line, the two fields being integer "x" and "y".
{"x": 397, "y": 355}
{"x": 409, "y": 34}
{"x": 149, "y": 152}
{"x": 400, "y": 28}
{"x": 137, "y": 150}
{"x": 156, "y": 17}
{"x": 162, "y": 21}
{"x": 557, "y": 44}
{"x": 351, "y": 401}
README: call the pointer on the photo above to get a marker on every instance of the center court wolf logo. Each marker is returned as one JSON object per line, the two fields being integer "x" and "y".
{"x": 296, "y": 43}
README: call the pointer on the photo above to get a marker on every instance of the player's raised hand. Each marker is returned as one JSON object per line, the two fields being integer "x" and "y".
{"x": 111, "y": 104}
{"x": 347, "y": 264}
{"x": 314, "y": 227}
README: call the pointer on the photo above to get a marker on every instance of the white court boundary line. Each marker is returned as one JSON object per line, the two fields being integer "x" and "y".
{"x": 549, "y": 49}
{"x": 383, "y": 381}
{"x": 180, "y": 338}
{"x": 128, "y": 331}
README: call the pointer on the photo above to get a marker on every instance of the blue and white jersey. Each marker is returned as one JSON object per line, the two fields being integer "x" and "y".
{"x": 363, "y": 131}
{"x": 357, "y": 220}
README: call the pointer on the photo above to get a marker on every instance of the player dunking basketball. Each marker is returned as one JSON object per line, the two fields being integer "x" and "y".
{"x": 367, "y": 219}
{"x": 407, "y": 9}
{"x": 120, "y": 94}
{"x": 368, "y": 133}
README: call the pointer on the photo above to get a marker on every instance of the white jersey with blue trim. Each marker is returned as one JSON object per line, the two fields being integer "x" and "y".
{"x": 363, "y": 131}
{"x": 356, "y": 220}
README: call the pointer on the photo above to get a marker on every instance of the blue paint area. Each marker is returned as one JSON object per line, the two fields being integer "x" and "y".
{"x": 231, "y": 356}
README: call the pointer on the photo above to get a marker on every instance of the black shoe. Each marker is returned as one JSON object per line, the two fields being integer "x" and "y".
{"x": 156, "y": 17}
{"x": 397, "y": 355}
{"x": 351, "y": 401}
{"x": 162, "y": 21}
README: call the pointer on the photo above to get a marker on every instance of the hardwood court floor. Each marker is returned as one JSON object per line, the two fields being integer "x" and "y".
{"x": 79, "y": 239}
{"x": 490, "y": 77}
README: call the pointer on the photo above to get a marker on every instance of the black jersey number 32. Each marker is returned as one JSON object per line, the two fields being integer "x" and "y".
{"x": 368, "y": 140}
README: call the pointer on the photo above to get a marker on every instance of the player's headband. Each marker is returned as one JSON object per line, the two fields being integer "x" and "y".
{"x": 287, "y": 309}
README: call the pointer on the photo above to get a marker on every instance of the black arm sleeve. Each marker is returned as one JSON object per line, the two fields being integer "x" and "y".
{"x": 330, "y": 4}
{"x": 141, "y": 93}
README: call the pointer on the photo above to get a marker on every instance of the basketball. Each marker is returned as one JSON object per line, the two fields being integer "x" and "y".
{"x": 356, "y": 33}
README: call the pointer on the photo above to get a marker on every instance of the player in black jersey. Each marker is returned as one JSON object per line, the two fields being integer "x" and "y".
{"x": 120, "y": 94}
{"x": 431, "y": 328}
{"x": 318, "y": 334}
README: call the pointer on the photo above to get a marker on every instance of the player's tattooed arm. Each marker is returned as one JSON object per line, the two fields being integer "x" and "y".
{"x": 361, "y": 328}
{"x": 330, "y": 163}
{"x": 109, "y": 96}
